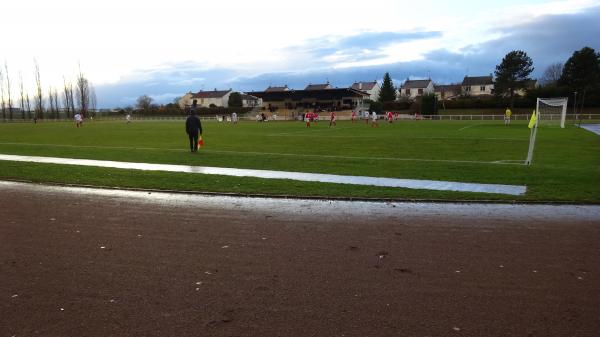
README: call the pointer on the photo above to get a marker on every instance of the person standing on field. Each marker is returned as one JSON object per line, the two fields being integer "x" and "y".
{"x": 193, "y": 127}
{"x": 507, "y": 115}
{"x": 332, "y": 119}
{"x": 78, "y": 119}
{"x": 374, "y": 122}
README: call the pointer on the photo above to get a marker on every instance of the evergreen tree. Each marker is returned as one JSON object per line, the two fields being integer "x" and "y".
{"x": 582, "y": 71}
{"x": 388, "y": 92}
{"x": 235, "y": 100}
{"x": 512, "y": 73}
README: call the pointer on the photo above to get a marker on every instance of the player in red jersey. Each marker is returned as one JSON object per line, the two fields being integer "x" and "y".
{"x": 390, "y": 117}
{"x": 332, "y": 119}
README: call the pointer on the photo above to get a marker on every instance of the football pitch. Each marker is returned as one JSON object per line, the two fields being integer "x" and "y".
{"x": 566, "y": 163}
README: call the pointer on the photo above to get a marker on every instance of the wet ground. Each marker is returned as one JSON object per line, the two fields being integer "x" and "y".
{"x": 595, "y": 128}
{"x": 88, "y": 262}
{"x": 269, "y": 174}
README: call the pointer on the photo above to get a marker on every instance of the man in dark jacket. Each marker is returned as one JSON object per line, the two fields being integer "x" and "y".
{"x": 193, "y": 127}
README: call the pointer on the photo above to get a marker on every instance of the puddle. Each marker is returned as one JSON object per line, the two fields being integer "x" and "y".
{"x": 322, "y": 209}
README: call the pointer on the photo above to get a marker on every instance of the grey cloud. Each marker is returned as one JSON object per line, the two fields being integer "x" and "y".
{"x": 546, "y": 40}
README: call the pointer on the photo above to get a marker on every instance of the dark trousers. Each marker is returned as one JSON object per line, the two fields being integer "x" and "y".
{"x": 193, "y": 141}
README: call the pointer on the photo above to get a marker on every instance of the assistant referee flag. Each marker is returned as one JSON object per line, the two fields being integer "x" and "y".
{"x": 532, "y": 120}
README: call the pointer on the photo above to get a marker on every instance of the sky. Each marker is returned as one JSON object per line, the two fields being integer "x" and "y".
{"x": 167, "y": 48}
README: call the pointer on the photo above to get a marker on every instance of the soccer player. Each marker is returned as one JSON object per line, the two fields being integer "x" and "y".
{"x": 366, "y": 116}
{"x": 78, "y": 119}
{"x": 390, "y": 117}
{"x": 234, "y": 118}
{"x": 374, "y": 122}
{"x": 128, "y": 118}
{"x": 353, "y": 116}
{"x": 307, "y": 118}
{"x": 332, "y": 119}
{"x": 507, "y": 115}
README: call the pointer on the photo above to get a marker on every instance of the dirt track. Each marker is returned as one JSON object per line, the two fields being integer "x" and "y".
{"x": 77, "y": 262}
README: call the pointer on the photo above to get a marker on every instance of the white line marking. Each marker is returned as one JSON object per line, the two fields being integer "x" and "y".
{"x": 469, "y": 126}
{"x": 255, "y": 153}
{"x": 268, "y": 174}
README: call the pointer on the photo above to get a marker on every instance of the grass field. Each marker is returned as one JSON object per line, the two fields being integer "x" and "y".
{"x": 566, "y": 162}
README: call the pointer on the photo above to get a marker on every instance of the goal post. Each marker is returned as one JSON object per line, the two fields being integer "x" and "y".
{"x": 548, "y": 111}
{"x": 552, "y": 111}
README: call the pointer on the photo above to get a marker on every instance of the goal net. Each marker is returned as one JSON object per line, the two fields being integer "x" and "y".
{"x": 551, "y": 111}
{"x": 548, "y": 111}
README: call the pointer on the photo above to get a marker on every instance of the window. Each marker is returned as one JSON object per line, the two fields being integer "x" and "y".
{"x": 467, "y": 89}
{"x": 482, "y": 88}
{"x": 420, "y": 91}
{"x": 407, "y": 91}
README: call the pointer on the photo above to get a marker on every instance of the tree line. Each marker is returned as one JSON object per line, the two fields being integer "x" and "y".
{"x": 74, "y": 96}
{"x": 577, "y": 78}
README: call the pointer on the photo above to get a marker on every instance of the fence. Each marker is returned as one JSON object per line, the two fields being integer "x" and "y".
{"x": 572, "y": 117}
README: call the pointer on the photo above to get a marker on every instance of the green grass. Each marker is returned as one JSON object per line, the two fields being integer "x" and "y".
{"x": 566, "y": 163}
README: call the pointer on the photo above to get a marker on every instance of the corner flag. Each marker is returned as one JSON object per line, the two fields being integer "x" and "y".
{"x": 532, "y": 120}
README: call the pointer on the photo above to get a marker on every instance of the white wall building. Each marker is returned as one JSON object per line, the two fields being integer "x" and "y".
{"x": 414, "y": 88}
{"x": 219, "y": 98}
{"x": 478, "y": 85}
{"x": 371, "y": 88}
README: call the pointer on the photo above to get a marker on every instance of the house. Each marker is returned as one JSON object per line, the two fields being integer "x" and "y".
{"x": 272, "y": 89}
{"x": 477, "y": 85}
{"x": 318, "y": 86}
{"x": 447, "y": 91}
{"x": 315, "y": 99}
{"x": 215, "y": 97}
{"x": 371, "y": 88}
{"x": 414, "y": 88}
{"x": 249, "y": 101}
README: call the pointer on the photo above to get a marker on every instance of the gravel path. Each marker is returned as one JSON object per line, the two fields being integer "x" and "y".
{"x": 89, "y": 262}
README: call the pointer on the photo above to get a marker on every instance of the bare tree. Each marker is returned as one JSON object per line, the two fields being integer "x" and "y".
{"x": 83, "y": 93}
{"x": 2, "y": 102}
{"x": 67, "y": 96}
{"x": 38, "y": 98}
{"x": 22, "y": 101}
{"x": 28, "y": 106}
{"x": 93, "y": 99}
{"x": 10, "y": 107}
{"x": 50, "y": 104}
{"x": 144, "y": 102}
{"x": 552, "y": 74}
{"x": 56, "y": 104}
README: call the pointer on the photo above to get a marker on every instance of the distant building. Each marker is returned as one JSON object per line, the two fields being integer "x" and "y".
{"x": 414, "y": 88}
{"x": 447, "y": 91}
{"x": 478, "y": 86}
{"x": 219, "y": 98}
{"x": 371, "y": 88}
{"x": 318, "y": 86}
{"x": 273, "y": 89}
{"x": 249, "y": 101}
{"x": 314, "y": 99}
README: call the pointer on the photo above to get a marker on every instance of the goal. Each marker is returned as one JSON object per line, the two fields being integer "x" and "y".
{"x": 551, "y": 111}
{"x": 548, "y": 112}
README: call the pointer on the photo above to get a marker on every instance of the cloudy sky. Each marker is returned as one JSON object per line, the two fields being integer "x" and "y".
{"x": 166, "y": 48}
